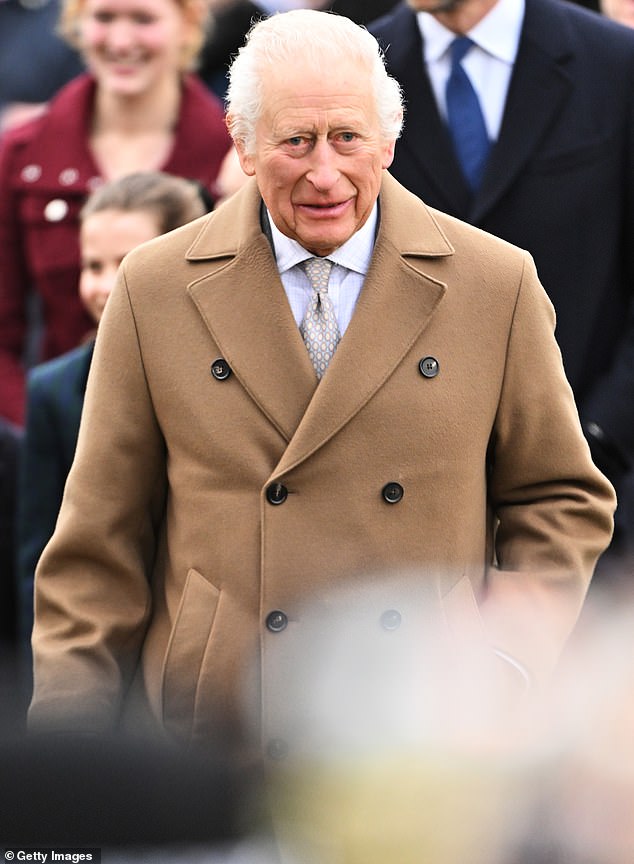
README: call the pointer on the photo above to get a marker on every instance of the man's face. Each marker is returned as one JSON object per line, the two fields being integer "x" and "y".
{"x": 319, "y": 154}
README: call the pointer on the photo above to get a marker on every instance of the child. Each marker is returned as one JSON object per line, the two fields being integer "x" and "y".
{"x": 117, "y": 217}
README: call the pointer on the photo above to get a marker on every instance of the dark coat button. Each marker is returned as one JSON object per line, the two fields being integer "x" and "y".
{"x": 391, "y": 619}
{"x": 277, "y": 749}
{"x": 392, "y": 493}
{"x": 220, "y": 369}
{"x": 276, "y": 621}
{"x": 276, "y": 493}
{"x": 429, "y": 367}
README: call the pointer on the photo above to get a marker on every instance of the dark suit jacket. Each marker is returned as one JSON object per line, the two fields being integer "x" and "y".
{"x": 55, "y": 397}
{"x": 560, "y": 183}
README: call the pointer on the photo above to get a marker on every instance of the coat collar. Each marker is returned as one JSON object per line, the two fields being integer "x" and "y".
{"x": 242, "y": 301}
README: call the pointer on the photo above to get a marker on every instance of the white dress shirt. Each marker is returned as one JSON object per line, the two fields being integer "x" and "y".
{"x": 351, "y": 262}
{"x": 489, "y": 63}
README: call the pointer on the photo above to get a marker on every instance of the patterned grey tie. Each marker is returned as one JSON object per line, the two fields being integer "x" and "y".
{"x": 319, "y": 327}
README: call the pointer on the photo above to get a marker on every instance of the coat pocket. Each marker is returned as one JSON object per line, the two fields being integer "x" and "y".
{"x": 462, "y": 616}
{"x": 185, "y": 651}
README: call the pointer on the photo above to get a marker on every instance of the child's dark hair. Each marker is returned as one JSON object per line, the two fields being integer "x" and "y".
{"x": 173, "y": 200}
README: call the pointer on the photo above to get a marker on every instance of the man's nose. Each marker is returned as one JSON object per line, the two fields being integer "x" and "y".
{"x": 323, "y": 172}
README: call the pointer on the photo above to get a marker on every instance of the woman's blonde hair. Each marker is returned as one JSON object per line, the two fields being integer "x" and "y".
{"x": 195, "y": 12}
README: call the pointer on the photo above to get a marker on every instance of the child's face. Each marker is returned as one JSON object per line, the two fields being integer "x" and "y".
{"x": 105, "y": 237}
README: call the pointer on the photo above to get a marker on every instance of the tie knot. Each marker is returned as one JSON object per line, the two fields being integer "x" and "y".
{"x": 459, "y": 48}
{"x": 318, "y": 272}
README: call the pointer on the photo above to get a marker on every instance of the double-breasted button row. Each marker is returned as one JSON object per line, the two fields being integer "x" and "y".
{"x": 277, "y": 493}
{"x": 220, "y": 369}
{"x": 277, "y": 621}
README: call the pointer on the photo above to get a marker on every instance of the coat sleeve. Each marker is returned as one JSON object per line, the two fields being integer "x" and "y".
{"x": 552, "y": 509}
{"x": 92, "y": 585}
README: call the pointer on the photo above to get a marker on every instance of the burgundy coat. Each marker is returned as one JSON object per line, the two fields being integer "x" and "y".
{"x": 46, "y": 171}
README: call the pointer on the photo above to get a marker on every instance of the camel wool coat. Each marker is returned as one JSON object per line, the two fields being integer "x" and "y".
{"x": 220, "y": 495}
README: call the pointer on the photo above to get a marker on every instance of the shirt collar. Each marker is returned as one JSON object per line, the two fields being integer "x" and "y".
{"x": 498, "y": 33}
{"x": 355, "y": 254}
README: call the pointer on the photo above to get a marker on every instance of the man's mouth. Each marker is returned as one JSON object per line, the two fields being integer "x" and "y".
{"x": 333, "y": 208}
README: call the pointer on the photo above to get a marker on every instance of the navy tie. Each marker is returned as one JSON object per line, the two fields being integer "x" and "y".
{"x": 464, "y": 116}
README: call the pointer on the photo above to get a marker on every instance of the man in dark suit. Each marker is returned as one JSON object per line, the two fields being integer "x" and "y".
{"x": 555, "y": 85}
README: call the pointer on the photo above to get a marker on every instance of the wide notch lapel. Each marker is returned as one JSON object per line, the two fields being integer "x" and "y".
{"x": 243, "y": 304}
{"x": 539, "y": 87}
{"x": 395, "y": 305}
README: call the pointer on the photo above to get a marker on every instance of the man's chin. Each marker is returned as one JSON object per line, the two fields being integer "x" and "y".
{"x": 321, "y": 246}
{"x": 434, "y": 7}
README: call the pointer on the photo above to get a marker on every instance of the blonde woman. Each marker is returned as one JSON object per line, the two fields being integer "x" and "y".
{"x": 138, "y": 107}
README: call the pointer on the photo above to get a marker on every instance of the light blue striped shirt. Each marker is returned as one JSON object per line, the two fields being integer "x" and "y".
{"x": 351, "y": 261}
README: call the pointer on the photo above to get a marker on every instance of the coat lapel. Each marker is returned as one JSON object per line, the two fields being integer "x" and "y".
{"x": 242, "y": 301}
{"x": 394, "y": 307}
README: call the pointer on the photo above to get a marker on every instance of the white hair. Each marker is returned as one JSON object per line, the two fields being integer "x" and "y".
{"x": 321, "y": 37}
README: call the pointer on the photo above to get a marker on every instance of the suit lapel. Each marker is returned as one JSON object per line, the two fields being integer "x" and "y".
{"x": 539, "y": 86}
{"x": 425, "y": 142}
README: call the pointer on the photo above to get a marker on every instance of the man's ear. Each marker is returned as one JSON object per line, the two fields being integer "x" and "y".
{"x": 246, "y": 161}
{"x": 388, "y": 153}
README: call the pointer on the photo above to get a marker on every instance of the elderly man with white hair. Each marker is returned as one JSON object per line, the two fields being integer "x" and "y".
{"x": 321, "y": 387}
